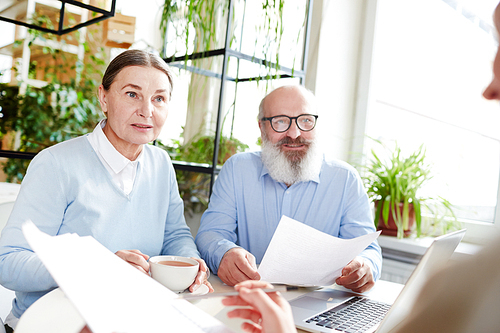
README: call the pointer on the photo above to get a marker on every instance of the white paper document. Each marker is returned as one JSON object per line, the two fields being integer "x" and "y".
{"x": 110, "y": 294}
{"x": 301, "y": 255}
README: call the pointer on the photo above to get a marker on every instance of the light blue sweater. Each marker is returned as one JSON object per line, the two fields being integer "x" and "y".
{"x": 68, "y": 190}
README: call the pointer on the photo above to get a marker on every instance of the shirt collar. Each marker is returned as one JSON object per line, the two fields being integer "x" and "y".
{"x": 113, "y": 158}
{"x": 316, "y": 177}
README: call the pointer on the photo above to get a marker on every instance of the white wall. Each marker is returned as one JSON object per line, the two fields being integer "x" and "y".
{"x": 148, "y": 17}
{"x": 336, "y": 82}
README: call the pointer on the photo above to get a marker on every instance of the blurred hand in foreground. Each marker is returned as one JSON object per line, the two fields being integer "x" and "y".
{"x": 136, "y": 258}
{"x": 269, "y": 313}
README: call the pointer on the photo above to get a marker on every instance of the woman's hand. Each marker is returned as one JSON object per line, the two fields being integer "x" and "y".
{"x": 136, "y": 258}
{"x": 202, "y": 277}
{"x": 268, "y": 313}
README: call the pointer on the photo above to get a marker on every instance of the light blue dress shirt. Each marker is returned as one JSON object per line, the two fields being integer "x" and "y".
{"x": 247, "y": 204}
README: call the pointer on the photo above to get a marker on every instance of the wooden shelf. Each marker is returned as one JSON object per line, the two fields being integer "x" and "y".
{"x": 7, "y": 50}
{"x": 37, "y": 48}
{"x": 14, "y": 9}
{"x": 118, "y": 31}
{"x": 70, "y": 45}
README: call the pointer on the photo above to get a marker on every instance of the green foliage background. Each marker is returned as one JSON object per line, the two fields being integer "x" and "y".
{"x": 193, "y": 186}
{"x": 59, "y": 111}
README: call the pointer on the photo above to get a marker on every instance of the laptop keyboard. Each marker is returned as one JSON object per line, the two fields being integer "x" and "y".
{"x": 358, "y": 314}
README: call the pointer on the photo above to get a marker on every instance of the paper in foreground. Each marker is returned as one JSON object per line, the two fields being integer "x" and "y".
{"x": 110, "y": 294}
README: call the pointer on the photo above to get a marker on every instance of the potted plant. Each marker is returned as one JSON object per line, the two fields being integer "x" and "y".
{"x": 194, "y": 186}
{"x": 393, "y": 184}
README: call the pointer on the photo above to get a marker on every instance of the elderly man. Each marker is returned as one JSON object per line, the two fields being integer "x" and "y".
{"x": 288, "y": 177}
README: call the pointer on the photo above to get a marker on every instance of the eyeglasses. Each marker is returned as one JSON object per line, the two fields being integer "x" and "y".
{"x": 280, "y": 124}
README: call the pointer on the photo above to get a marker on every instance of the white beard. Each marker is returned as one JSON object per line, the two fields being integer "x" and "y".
{"x": 287, "y": 171}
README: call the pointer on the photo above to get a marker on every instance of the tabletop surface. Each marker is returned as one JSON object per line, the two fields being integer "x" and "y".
{"x": 9, "y": 191}
{"x": 55, "y": 313}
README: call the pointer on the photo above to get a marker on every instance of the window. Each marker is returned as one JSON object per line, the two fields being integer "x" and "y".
{"x": 431, "y": 61}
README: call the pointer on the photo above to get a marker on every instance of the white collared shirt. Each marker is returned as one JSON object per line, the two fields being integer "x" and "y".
{"x": 121, "y": 169}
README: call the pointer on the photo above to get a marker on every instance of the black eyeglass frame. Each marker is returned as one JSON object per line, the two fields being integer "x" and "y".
{"x": 290, "y": 123}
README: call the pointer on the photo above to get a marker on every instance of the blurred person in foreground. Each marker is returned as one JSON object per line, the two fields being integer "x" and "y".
{"x": 109, "y": 184}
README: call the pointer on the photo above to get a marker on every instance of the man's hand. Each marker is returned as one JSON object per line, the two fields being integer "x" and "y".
{"x": 264, "y": 312}
{"x": 237, "y": 265}
{"x": 357, "y": 276}
{"x": 136, "y": 258}
{"x": 201, "y": 277}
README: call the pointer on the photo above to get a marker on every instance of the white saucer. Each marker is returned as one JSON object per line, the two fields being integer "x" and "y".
{"x": 202, "y": 290}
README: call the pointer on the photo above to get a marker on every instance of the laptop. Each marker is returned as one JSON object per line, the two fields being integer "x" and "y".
{"x": 331, "y": 310}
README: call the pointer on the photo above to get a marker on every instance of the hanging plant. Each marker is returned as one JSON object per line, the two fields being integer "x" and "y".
{"x": 197, "y": 23}
{"x": 194, "y": 22}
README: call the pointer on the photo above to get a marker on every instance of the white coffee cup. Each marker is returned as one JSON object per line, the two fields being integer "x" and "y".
{"x": 174, "y": 272}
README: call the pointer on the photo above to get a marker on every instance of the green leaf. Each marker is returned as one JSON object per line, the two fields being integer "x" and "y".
{"x": 387, "y": 207}
{"x": 418, "y": 216}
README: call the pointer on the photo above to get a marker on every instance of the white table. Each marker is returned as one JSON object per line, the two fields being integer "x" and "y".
{"x": 8, "y": 195}
{"x": 9, "y": 192}
{"x": 55, "y": 313}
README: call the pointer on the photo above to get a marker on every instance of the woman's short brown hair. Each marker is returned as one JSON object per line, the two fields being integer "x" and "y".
{"x": 135, "y": 58}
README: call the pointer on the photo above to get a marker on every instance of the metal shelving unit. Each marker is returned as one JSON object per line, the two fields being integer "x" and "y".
{"x": 20, "y": 12}
{"x": 226, "y": 52}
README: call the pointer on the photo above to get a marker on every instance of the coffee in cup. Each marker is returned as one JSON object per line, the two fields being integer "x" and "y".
{"x": 174, "y": 272}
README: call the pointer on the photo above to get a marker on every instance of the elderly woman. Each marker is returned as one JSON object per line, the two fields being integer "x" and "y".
{"x": 109, "y": 184}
